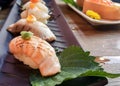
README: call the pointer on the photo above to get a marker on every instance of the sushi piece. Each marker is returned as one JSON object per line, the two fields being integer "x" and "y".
{"x": 41, "y": 15}
{"x": 105, "y": 8}
{"x": 36, "y": 53}
{"x": 39, "y": 3}
{"x": 31, "y": 24}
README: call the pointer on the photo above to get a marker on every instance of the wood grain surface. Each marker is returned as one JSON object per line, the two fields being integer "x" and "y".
{"x": 99, "y": 40}
{"x": 102, "y": 41}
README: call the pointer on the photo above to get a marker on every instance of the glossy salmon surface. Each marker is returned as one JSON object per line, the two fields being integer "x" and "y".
{"x": 36, "y": 53}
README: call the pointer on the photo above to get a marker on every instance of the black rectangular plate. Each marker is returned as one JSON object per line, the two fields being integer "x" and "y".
{"x": 15, "y": 73}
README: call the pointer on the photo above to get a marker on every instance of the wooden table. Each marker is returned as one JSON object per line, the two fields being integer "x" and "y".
{"x": 102, "y": 41}
{"x": 99, "y": 40}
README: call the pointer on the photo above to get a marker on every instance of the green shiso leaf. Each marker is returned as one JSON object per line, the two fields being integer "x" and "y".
{"x": 100, "y": 73}
{"x": 74, "y": 63}
{"x": 70, "y": 2}
{"x": 73, "y": 3}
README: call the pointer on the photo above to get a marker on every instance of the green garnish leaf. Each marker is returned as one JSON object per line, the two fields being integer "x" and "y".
{"x": 26, "y": 35}
{"x": 74, "y": 63}
{"x": 100, "y": 73}
{"x": 73, "y": 3}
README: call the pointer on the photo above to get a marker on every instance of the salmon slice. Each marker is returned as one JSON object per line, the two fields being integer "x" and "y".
{"x": 80, "y": 2}
{"x": 105, "y": 8}
{"x": 36, "y": 53}
{"x": 50, "y": 69}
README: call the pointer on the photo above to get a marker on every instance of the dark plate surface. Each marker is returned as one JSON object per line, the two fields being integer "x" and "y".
{"x": 14, "y": 73}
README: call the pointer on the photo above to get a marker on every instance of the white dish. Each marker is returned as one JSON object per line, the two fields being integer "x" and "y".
{"x": 93, "y": 21}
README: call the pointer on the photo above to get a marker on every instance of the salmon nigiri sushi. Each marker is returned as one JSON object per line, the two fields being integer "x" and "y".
{"x": 36, "y": 53}
{"x": 105, "y": 8}
{"x": 31, "y": 24}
